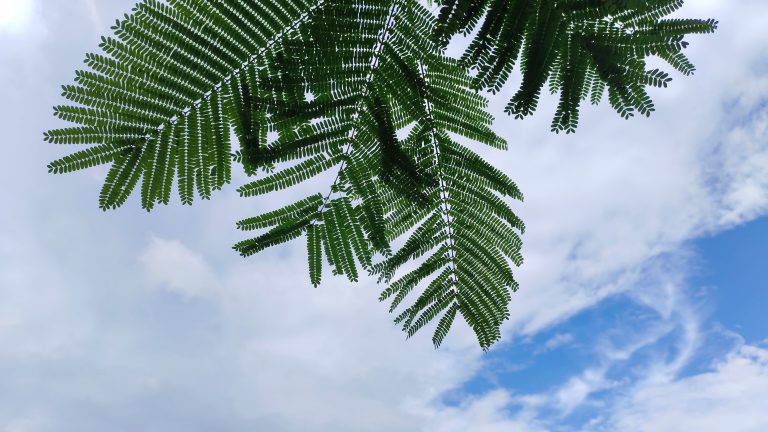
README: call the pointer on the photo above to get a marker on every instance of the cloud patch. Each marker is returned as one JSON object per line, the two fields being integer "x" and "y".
{"x": 172, "y": 266}
{"x": 732, "y": 397}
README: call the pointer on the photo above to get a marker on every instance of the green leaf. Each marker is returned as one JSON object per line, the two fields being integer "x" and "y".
{"x": 315, "y": 253}
{"x": 309, "y": 86}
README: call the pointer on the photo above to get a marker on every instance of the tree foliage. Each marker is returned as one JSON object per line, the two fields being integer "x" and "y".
{"x": 363, "y": 88}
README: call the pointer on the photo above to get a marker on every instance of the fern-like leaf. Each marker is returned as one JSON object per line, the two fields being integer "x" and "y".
{"x": 358, "y": 88}
{"x": 172, "y": 80}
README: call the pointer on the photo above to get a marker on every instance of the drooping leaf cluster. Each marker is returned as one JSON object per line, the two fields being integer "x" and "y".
{"x": 581, "y": 47}
{"x": 361, "y": 89}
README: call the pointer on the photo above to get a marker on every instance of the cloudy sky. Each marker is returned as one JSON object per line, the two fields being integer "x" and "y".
{"x": 643, "y": 296}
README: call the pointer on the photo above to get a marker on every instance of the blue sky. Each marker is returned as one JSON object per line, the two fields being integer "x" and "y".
{"x": 641, "y": 308}
{"x": 727, "y": 281}
{"x": 733, "y": 273}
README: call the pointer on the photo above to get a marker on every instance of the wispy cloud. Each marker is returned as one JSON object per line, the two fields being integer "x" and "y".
{"x": 95, "y": 16}
{"x": 171, "y": 265}
{"x": 557, "y": 341}
{"x": 730, "y": 397}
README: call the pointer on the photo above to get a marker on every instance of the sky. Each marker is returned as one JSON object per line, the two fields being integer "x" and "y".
{"x": 642, "y": 301}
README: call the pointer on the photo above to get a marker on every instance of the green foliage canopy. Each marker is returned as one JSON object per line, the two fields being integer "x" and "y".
{"x": 362, "y": 87}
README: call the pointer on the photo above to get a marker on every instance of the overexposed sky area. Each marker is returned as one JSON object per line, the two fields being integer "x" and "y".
{"x": 15, "y": 15}
{"x": 127, "y": 321}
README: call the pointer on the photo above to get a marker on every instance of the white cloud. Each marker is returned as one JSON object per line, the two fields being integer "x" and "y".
{"x": 488, "y": 413}
{"x": 557, "y": 341}
{"x": 743, "y": 158}
{"x": 302, "y": 353}
{"x": 576, "y": 391}
{"x": 172, "y": 265}
{"x": 732, "y": 397}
